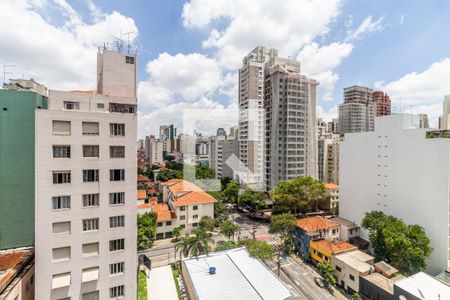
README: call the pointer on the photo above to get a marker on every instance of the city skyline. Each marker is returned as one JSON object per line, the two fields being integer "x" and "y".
{"x": 192, "y": 60}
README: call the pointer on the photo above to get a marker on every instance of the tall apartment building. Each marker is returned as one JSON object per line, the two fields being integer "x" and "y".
{"x": 328, "y": 158}
{"x": 357, "y": 113}
{"x": 213, "y": 157}
{"x": 382, "y": 102}
{"x": 86, "y": 187}
{"x": 153, "y": 149}
{"x": 251, "y": 116}
{"x": 18, "y": 102}
{"x": 401, "y": 170}
{"x": 226, "y": 149}
{"x": 423, "y": 121}
{"x": 168, "y": 135}
{"x": 290, "y": 133}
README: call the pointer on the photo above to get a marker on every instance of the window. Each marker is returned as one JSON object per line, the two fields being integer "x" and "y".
{"x": 90, "y": 274}
{"x": 61, "y": 151}
{"x": 182, "y": 218}
{"x": 71, "y": 105}
{"x": 117, "y": 291}
{"x": 168, "y": 223}
{"x": 60, "y": 280}
{"x": 117, "y": 151}
{"x": 183, "y": 226}
{"x": 194, "y": 217}
{"x": 129, "y": 60}
{"x": 116, "y": 245}
{"x": 60, "y": 254}
{"x": 117, "y": 175}
{"x": 122, "y": 108}
{"x": 90, "y": 249}
{"x": 352, "y": 277}
{"x": 159, "y": 236}
{"x": 90, "y": 175}
{"x": 61, "y": 228}
{"x": 117, "y": 129}
{"x": 90, "y": 151}
{"x": 159, "y": 224}
{"x": 116, "y": 268}
{"x": 90, "y": 128}
{"x": 182, "y": 208}
{"x": 117, "y": 221}
{"x": 100, "y": 105}
{"x": 117, "y": 198}
{"x": 61, "y": 202}
{"x": 61, "y": 128}
{"x": 90, "y": 296}
{"x": 338, "y": 269}
{"x": 195, "y": 207}
{"x": 90, "y": 224}
{"x": 91, "y": 200}
{"x": 61, "y": 177}
{"x": 194, "y": 224}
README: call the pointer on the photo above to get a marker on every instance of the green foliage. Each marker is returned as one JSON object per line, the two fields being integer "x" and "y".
{"x": 300, "y": 195}
{"x": 224, "y": 182}
{"x": 282, "y": 225}
{"x": 231, "y": 192}
{"x": 220, "y": 212}
{"x": 202, "y": 172}
{"x": 335, "y": 210}
{"x": 141, "y": 186}
{"x": 176, "y": 232}
{"x": 260, "y": 250}
{"x": 216, "y": 195}
{"x": 207, "y": 223}
{"x": 327, "y": 270}
{"x": 141, "y": 171}
{"x": 167, "y": 174}
{"x": 146, "y": 230}
{"x": 252, "y": 199}
{"x": 226, "y": 246}
{"x": 142, "y": 286}
{"x": 176, "y": 274}
{"x": 182, "y": 246}
{"x": 173, "y": 165}
{"x": 356, "y": 296}
{"x": 228, "y": 228}
{"x": 406, "y": 247}
{"x": 199, "y": 243}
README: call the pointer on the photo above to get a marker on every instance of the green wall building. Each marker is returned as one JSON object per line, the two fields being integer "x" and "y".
{"x": 17, "y": 141}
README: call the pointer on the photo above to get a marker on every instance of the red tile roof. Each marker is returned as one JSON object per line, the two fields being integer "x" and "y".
{"x": 141, "y": 194}
{"x": 315, "y": 224}
{"x": 335, "y": 247}
{"x": 332, "y": 186}
{"x": 187, "y": 193}
{"x": 161, "y": 209}
{"x": 142, "y": 178}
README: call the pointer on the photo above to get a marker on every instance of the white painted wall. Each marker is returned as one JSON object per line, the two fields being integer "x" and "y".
{"x": 397, "y": 171}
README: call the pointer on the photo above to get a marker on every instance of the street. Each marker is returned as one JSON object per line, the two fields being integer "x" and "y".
{"x": 298, "y": 276}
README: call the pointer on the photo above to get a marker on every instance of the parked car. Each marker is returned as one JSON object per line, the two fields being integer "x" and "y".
{"x": 320, "y": 282}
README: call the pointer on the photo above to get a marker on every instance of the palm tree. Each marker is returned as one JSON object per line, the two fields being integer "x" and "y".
{"x": 199, "y": 243}
{"x": 183, "y": 246}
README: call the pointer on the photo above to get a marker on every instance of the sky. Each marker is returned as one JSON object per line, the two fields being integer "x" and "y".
{"x": 189, "y": 51}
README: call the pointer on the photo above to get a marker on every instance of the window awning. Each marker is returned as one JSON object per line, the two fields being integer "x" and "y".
{"x": 90, "y": 274}
{"x": 60, "y": 280}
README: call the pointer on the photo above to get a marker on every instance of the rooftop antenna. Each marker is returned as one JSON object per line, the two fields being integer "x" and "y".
{"x": 118, "y": 43}
{"x": 5, "y": 72}
{"x": 128, "y": 39}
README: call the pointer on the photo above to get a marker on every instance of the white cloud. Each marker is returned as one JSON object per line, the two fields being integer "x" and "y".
{"x": 286, "y": 26}
{"x": 327, "y": 115}
{"x": 59, "y": 56}
{"x": 320, "y": 61}
{"x": 421, "y": 92}
{"x": 366, "y": 27}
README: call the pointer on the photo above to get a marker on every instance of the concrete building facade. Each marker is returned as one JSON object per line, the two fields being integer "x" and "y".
{"x": 290, "y": 133}
{"x": 382, "y": 102}
{"x": 357, "y": 113}
{"x": 17, "y": 163}
{"x": 402, "y": 170}
{"x": 86, "y": 188}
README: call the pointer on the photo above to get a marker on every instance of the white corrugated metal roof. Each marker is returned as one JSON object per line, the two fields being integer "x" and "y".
{"x": 238, "y": 276}
{"x": 423, "y": 286}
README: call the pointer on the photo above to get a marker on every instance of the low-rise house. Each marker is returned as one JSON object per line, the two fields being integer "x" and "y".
{"x": 312, "y": 229}
{"x": 331, "y": 199}
{"x": 385, "y": 269}
{"x": 421, "y": 286}
{"x": 322, "y": 251}
{"x": 350, "y": 266}
{"x": 166, "y": 219}
{"x": 348, "y": 230}
{"x": 376, "y": 286}
{"x": 141, "y": 197}
{"x": 17, "y": 274}
{"x": 231, "y": 274}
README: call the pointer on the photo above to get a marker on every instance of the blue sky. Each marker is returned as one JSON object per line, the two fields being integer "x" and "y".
{"x": 189, "y": 51}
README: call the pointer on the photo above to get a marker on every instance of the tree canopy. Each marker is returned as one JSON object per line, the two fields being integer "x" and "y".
{"x": 327, "y": 270}
{"x": 231, "y": 192}
{"x": 228, "y": 228}
{"x": 299, "y": 195}
{"x": 282, "y": 225}
{"x": 406, "y": 247}
{"x": 146, "y": 230}
{"x": 252, "y": 199}
{"x": 260, "y": 250}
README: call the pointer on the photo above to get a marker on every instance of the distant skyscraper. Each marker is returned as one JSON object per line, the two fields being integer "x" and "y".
{"x": 423, "y": 121}
{"x": 357, "y": 113}
{"x": 446, "y": 113}
{"x": 251, "y": 117}
{"x": 383, "y": 103}
{"x": 290, "y": 104}
{"x": 221, "y": 131}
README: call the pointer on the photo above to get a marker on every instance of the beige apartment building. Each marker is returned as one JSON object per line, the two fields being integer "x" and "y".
{"x": 86, "y": 187}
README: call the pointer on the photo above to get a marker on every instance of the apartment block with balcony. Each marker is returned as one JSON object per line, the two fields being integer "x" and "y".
{"x": 357, "y": 113}
{"x": 86, "y": 187}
